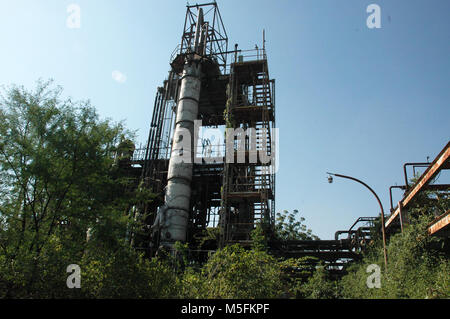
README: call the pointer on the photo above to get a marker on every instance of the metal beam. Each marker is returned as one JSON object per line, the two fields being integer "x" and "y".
{"x": 440, "y": 223}
{"x": 440, "y": 162}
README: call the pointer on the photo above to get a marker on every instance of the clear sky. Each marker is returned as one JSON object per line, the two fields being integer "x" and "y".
{"x": 350, "y": 99}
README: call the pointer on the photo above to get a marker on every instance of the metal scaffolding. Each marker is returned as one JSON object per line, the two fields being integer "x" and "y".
{"x": 236, "y": 99}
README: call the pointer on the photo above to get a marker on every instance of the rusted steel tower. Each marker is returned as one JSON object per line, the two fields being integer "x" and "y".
{"x": 211, "y": 153}
{"x": 211, "y": 147}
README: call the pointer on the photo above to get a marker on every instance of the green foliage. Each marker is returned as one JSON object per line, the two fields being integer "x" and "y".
{"x": 259, "y": 238}
{"x": 417, "y": 264}
{"x": 227, "y": 116}
{"x": 296, "y": 272}
{"x": 126, "y": 274}
{"x": 319, "y": 286}
{"x": 429, "y": 203}
{"x": 415, "y": 268}
{"x": 181, "y": 258}
{"x": 58, "y": 180}
{"x": 289, "y": 227}
{"x": 208, "y": 237}
{"x": 234, "y": 272}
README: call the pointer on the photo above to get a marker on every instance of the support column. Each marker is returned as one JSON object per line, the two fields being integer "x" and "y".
{"x": 179, "y": 177}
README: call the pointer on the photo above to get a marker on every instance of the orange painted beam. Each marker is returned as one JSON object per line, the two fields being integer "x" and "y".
{"x": 426, "y": 177}
{"x": 441, "y": 222}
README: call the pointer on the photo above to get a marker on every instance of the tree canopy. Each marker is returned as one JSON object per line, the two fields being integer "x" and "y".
{"x": 59, "y": 186}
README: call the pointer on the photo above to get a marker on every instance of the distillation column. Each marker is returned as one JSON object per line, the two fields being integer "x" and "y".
{"x": 174, "y": 217}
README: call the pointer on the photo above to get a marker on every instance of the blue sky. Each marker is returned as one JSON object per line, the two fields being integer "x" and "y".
{"x": 350, "y": 99}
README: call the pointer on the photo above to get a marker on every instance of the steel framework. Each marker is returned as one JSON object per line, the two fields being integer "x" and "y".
{"x": 229, "y": 195}
{"x": 232, "y": 179}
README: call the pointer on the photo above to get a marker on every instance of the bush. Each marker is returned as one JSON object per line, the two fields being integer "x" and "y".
{"x": 415, "y": 268}
{"x": 234, "y": 272}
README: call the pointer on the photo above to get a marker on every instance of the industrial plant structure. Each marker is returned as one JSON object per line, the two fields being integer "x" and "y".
{"x": 211, "y": 153}
{"x": 224, "y": 180}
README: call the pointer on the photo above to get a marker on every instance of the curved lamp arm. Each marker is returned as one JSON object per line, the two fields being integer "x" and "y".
{"x": 383, "y": 230}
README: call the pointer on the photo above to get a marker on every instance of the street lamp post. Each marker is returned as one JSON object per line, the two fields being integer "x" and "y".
{"x": 383, "y": 230}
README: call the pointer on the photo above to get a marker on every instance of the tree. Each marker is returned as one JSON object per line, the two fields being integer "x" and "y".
{"x": 233, "y": 272}
{"x": 57, "y": 180}
{"x": 289, "y": 227}
{"x": 319, "y": 286}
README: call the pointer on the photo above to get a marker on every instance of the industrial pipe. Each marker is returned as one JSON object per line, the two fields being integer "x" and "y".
{"x": 412, "y": 164}
{"x": 179, "y": 177}
{"x": 390, "y": 195}
{"x": 174, "y": 215}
